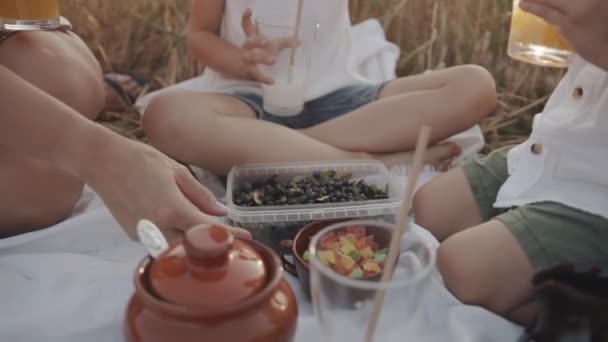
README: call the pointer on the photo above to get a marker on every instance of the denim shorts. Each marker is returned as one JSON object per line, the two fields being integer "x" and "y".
{"x": 317, "y": 111}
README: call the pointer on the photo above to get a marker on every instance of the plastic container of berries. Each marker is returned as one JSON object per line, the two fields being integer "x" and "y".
{"x": 274, "y": 201}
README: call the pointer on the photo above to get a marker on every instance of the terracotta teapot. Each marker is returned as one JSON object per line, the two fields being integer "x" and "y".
{"x": 211, "y": 287}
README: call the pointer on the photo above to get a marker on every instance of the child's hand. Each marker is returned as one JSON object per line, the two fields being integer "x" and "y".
{"x": 256, "y": 50}
{"x": 581, "y": 22}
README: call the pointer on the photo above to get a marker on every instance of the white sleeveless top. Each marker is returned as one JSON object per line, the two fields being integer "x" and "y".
{"x": 565, "y": 158}
{"x": 331, "y": 67}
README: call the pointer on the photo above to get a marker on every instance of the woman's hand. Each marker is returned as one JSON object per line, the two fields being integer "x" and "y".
{"x": 581, "y": 22}
{"x": 139, "y": 182}
{"x": 134, "y": 180}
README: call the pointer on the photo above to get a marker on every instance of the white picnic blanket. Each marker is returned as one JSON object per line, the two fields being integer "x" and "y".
{"x": 71, "y": 283}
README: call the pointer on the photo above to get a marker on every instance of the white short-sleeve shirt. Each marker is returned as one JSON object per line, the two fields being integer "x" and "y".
{"x": 331, "y": 66}
{"x": 565, "y": 160}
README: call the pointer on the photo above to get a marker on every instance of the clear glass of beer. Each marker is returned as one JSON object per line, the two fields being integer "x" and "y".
{"x": 24, "y": 15}
{"x": 535, "y": 41}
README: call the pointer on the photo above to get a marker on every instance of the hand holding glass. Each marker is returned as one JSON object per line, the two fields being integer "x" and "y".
{"x": 292, "y": 49}
{"x": 535, "y": 41}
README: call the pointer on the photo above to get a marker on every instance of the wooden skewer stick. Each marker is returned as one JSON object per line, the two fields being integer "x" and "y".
{"x": 401, "y": 226}
{"x": 296, "y": 35}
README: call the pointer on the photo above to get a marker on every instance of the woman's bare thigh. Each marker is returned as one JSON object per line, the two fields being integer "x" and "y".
{"x": 34, "y": 195}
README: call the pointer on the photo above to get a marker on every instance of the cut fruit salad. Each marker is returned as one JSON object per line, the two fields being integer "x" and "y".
{"x": 351, "y": 253}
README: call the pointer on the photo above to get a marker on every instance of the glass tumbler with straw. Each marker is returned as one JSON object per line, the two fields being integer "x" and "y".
{"x": 344, "y": 306}
{"x": 292, "y": 39}
{"x": 385, "y": 308}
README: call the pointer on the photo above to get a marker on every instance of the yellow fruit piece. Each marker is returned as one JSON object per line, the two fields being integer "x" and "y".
{"x": 356, "y": 273}
{"x": 327, "y": 258}
{"x": 346, "y": 247}
{"x": 371, "y": 267}
{"x": 367, "y": 253}
{"x": 352, "y": 238}
{"x": 347, "y": 262}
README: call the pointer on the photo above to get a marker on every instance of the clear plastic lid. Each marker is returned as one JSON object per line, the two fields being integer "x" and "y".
{"x": 372, "y": 172}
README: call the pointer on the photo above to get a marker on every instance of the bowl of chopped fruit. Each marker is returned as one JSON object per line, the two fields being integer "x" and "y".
{"x": 348, "y": 280}
{"x": 357, "y": 252}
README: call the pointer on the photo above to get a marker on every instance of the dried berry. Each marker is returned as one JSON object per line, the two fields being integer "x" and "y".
{"x": 317, "y": 188}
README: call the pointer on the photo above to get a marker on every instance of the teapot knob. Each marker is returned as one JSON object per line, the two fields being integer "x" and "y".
{"x": 208, "y": 245}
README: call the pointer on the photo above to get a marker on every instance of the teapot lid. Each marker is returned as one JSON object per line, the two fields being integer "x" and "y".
{"x": 210, "y": 269}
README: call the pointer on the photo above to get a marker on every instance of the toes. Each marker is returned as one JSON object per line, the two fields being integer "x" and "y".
{"x": 131, "y": 88}
{"x": 443, "y": 165}
{"x": 455, "y": 150}
{"x": 125, "y": 82}
{"x": 117, "y": 78}
{"x": 121, "y": 90}
{"x": 441, "y": 156}
{"x": 438, "y": 153}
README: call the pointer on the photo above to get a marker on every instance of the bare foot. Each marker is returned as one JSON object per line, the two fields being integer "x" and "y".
{"x": 121, "y": 91}
{"x": 439, "y": 156}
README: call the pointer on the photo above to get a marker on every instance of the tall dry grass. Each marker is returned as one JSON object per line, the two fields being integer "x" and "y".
{"x": 149, "y": 37}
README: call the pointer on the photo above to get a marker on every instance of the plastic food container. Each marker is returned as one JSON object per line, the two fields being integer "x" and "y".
{"x": 271, "y": 224}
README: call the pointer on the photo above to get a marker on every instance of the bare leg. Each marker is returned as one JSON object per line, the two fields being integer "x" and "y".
{"x": 446, "y": 205}
{"x": 212, "y": 131}
{"x": 217, "y": 132}
{"x": 451, "y": 100}
{"x": 486, "y": 266}
{"x": 483, "y": 265}
{"x": 36, "y": 196}
{"x": 226, "y": 133}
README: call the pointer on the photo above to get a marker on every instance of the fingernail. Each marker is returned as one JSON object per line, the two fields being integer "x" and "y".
{"x": 221, "y": 207}
{"x": 456, "y": 150}
{"x": 246, "y": 234}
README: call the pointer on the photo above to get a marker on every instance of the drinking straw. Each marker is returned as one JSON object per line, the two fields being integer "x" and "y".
{"x": 401, "y": 226}
{"x": 296, "y": 33}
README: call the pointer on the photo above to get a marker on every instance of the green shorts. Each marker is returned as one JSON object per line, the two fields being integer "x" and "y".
{"x": 550, "y": 233}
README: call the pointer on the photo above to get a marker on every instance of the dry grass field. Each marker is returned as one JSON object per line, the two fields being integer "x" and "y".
{"x": 149, "y": 37}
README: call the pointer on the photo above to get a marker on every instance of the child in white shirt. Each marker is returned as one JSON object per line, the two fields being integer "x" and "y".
{"x": 344, "y": 116}
{"x": 519, "y": 210}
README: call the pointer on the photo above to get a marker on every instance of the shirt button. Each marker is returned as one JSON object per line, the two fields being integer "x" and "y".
{"x": 578, "y": 93}
{"x": 536, "y": 149}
